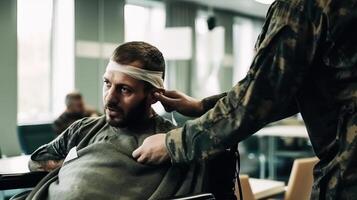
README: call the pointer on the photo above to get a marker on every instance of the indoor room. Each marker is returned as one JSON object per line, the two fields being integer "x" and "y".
{"x": 178, "y": 99}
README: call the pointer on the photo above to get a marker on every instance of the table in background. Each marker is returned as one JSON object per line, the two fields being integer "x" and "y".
{"x": 17, "y": 164}
{"x": 263, "y": 188}
{"x": 14, "y": 173}
{"x": 272, "y": 133}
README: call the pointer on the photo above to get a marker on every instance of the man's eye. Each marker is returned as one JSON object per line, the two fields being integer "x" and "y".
{"x": 125, "y": 90}
{"x": 106, "y": 83}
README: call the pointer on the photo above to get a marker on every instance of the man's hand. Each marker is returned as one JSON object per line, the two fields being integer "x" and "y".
{"x": 186, "y": 105}
{"x": 47, "y": 165}
{"x": 152, "y": 151}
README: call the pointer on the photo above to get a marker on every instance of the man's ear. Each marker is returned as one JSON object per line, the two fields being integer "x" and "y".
{"x": 151, "y": 97}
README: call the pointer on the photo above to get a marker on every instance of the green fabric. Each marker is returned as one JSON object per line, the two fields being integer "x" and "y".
{"x": 105, "y": 169}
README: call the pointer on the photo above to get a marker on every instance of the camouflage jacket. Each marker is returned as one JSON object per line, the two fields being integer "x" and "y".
{"x": 306, "y": 61}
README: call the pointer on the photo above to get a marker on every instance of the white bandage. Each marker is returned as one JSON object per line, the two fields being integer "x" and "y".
{"x": 152, "y": 77}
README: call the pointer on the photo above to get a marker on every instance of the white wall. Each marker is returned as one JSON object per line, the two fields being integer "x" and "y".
{"x": 8, "y": 78}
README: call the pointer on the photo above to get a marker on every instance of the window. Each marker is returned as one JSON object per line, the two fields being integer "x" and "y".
{"x": 143, "y": 20}
{"x": 40, "y": 25}
{"x": 210, "y": 52}
{"x": 34, "y": 47}
{"x": 62, "y": 58}
{"x": 245, "y": 34}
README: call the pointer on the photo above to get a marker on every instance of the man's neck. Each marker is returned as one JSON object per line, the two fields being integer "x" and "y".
{"x": 143, "y": 123}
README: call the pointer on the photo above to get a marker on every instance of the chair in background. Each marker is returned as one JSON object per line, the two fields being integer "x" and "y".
{"x": 246, "y": 189}
{"x": 33, "y": 136}
{"x": 299, "y": 185}
{"x": 301, "y": 179}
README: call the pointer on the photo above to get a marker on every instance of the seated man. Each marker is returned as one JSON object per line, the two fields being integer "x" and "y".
{"x": 92, "y": 159}
{"x": 75, "y": 110}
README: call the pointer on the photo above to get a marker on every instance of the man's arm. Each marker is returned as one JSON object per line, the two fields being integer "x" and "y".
{"x": 209, "y": 102}
{"x": 47, "y": 165}
{"x": 50, "y": 156}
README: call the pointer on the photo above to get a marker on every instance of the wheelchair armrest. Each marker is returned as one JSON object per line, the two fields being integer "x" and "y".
{"x": 205, "y": 196}
{"x": 21, "y": 180}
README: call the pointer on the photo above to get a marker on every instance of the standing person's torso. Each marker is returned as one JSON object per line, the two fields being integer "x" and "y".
{"x": 328, "y": 98}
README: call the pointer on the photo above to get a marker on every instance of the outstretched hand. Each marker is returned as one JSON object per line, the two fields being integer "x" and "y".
{"x": 153, "y": 150}
{"x": 180, "y": 102}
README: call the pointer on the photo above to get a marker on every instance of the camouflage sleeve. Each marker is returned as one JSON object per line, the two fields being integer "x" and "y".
{"x": 209, "y": 102}
{"x": 267, "y": 93}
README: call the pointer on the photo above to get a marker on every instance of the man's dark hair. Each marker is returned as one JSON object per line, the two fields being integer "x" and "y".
{"x": 70, "y": 97}
{"x": 149, "y": 56}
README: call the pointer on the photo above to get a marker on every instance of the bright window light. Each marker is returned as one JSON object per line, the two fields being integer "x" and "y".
{"x": 265, "y": 1}
{"x": 45, "y": 33}
{"x": 142, "y": 23}
{"x": 34, "y": 47}
{"x": 62, "y": 54}
{"x": 245, "y": 34}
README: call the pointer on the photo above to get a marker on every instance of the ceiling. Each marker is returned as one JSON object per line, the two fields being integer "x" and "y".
{"x": 248, "y": 7}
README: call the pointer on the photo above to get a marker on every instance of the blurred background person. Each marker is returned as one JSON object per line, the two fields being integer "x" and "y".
{"x": 75, "y": 110}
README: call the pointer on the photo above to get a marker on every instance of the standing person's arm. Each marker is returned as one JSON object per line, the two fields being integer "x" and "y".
{"x": 285, "y": 49}
{"x": 265, "y": 95}
{"x": 177, "y": 101}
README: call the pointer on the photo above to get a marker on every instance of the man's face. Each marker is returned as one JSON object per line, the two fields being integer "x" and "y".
{"x": 125, "y": 99}
{"x": 77, "y": 106}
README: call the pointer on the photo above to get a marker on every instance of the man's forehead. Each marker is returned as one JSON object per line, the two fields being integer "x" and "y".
{"x": 117, "y": 77}
{"x": 115, "y": 71}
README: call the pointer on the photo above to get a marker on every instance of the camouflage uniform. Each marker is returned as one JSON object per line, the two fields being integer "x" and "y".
{"x": 306, "y": 62}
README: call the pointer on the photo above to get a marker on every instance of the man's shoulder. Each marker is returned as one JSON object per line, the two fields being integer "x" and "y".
{"x": 85, "y": 127}
{"x": 91, "y": 121}
{"x": 87, "y": 123}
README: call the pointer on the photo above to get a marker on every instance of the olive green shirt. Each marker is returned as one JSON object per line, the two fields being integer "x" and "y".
{"x": 99, "y": 165}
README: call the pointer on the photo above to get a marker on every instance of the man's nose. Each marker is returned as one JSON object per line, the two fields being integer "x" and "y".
{"x": 112, "y": 96}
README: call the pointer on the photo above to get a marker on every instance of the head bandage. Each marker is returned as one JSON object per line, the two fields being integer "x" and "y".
{"x": 152, "y": 77}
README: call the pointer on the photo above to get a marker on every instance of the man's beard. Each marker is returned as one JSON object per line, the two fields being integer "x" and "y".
{"x": 133, "y": 117}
